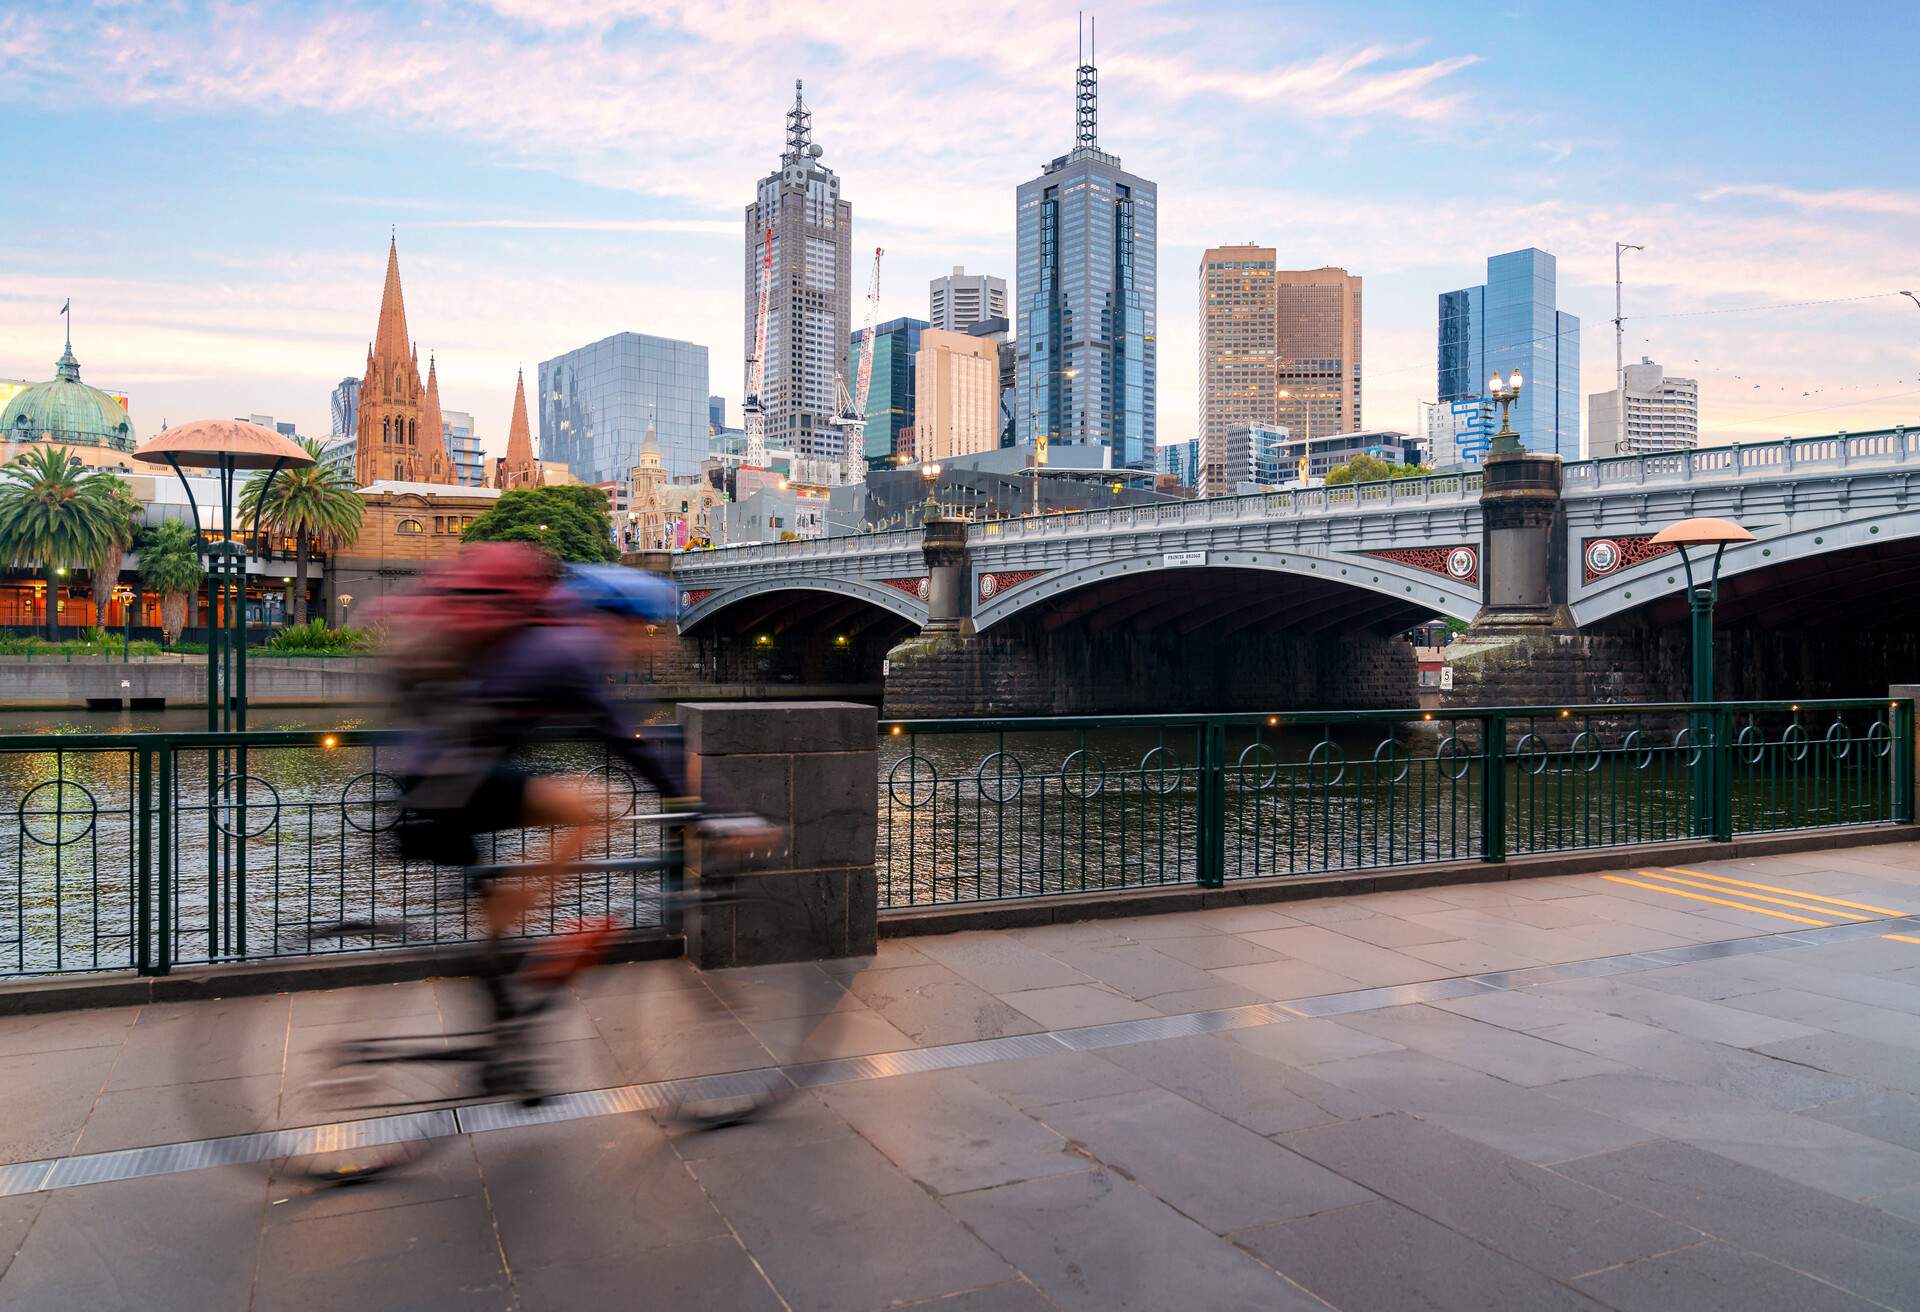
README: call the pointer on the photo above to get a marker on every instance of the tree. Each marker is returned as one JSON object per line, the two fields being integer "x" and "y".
{"x": 316, "y": 504}
{"x": 1364, "y": 468}
{"x": 570, "y": 521}
{"x": 170, "y": 567}
{"x": 123, "y": 528}
{"x": 57, "y": 514}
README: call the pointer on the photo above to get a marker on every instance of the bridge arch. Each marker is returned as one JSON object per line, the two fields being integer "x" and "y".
{"x": 1403, "y": 592}
{"x": 705, "y": 607}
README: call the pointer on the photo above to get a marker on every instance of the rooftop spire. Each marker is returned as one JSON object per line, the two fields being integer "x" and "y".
{"x": 390, "y": 338}
{"x": 66, "y": 367}
{"x": 433, "y": 440}
{"x": 1089, "y": 88}
{"x": 799, "y": 129}
{"x": 519, "y": 466}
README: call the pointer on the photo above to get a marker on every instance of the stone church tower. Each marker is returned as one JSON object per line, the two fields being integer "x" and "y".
{"x": 399, "y": 435}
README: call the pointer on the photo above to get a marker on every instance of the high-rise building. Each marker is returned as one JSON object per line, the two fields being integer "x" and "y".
{"x": 716, "y": 414}
{"x": 1663, "y": 414}
{"x": 597, "y": 401}
{"x": 960, "y": 300}
{"x": 1512, "y": 322}
{"x": 390, "y": 439}
{"x": 1237, "y": 344}
{"x": 463, "y": 446}
{"x": 995, "y": 330}
{"x": 1180, "y": 461}
{"x": 343, "y": 408}
{"x": 1454, "y": 433}
{"x": 809, "y": 308}
{"x": 1084, "y": 308}
{"x": 890, "y": 392}
{"x": 1317, "y": 350}
{"x": 956, "y": 395}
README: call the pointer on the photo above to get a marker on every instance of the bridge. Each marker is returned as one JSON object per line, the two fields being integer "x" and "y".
{"x": 1834, "y": 541}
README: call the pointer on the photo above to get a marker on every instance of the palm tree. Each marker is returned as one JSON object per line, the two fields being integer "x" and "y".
{"x": 123, "y": 528}
{"x": 317, "y": 505}
{"x": 57, "y": 514}
{"x": 170, "y": 566}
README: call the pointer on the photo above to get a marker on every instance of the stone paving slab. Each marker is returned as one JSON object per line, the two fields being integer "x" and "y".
{"x": 1735, "y": 1127}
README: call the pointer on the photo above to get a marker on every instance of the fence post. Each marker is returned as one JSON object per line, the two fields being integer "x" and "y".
{"x": 1493, "y": 788}
{"x": 1211, "y": 802}
{"x": 1903, "y": 752}
{"x": 1722, "y": 775}
{"x": 143, "y": 844}
{"x": 163, "y": 873}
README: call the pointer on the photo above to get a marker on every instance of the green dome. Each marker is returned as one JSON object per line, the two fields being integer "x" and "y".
{"x": 67, "y": 410}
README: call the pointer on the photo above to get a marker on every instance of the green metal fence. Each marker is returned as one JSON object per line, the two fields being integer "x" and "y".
{"x": 973, "y": 810}
{"x": 152, "y": 850}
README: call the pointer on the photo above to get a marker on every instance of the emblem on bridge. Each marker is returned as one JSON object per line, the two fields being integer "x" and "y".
{"x": 1461, "y": 563}
{"x": 695, "y": 597}
{"x": 991, "y": 585}
{"x": 1603, "y": 556}
{"x": 912, "y": 587}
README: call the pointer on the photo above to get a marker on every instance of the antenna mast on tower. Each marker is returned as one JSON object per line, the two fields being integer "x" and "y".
{"x": 1089, "y": 93}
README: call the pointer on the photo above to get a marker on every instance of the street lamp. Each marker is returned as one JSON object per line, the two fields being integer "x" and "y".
{"x": 930, "y": 471}
{"x": 1506, "y": 442}
{"x": 1702, "y": 592}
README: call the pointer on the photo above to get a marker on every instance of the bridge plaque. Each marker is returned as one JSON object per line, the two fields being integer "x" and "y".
{"x": 1173, "y": 559}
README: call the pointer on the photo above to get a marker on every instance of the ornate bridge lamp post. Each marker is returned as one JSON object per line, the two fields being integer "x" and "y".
{"x": 1506, "y": 442}
{"x": 931, "y": 472}
{"x": 1703, "y": 589}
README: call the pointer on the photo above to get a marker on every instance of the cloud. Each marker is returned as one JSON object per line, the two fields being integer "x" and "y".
{"x": 1855, "y": 200}
{"x": 697, "y": 227}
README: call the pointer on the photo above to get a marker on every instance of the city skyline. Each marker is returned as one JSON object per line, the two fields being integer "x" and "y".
{"x": 274, "y": 149}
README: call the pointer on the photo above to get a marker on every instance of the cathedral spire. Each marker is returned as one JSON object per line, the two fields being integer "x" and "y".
{"x": 390, "y": 339}
{"x": 519, "y": 469}
{"x": 433, "y": 441}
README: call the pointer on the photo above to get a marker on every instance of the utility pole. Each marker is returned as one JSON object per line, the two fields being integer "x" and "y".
{"x": 1619, "y": 353}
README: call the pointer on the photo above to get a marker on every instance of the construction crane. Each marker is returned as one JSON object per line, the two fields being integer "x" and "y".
{"x": 754, "y": 412}
{"x": 852, "y": 421}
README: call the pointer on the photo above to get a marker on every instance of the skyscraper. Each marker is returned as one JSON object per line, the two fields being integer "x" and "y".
{"x": 716, "y": 414}
{"x": 809, "y": 309}
{"x": 1084, "y": 307}
{"x": 1512, "y": 322}
{"x": 1663, "y": 414}
{"x": 890, "y": 392}
{"x": 464, "y": 448}
{"x": 1317, "y": 351}
{"x": 956, "y": 395}
{"x": 343, "y": 408}
{"x": 958, "y": 301}
{"x": 597, "y": 402}
{"x": 1237, "y": 344}
{"x": 390, "y": 439}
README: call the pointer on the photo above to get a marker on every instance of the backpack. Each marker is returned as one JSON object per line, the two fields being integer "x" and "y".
{"x": 465, "y": 607}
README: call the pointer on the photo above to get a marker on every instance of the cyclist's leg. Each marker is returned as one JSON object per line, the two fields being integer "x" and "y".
{"x": 563, "y": 806}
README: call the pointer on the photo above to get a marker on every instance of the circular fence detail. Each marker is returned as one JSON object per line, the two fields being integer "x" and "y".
{"x": 1453, "y": 758}
{"x": 380, "y": 791}
{"x": 1262, "y": 763}
{"x": 1603, "y": 556}
{"x": 999, "y": 787}
{"x": 1160, "y": 772}
{"x": 1751, "y": 743}
{"x": 1585, "y": 752}
{"x": 1839, "y": 740}
{"x": 1880, "y": 738}
{"x": 1390, "y": 761}
{"x": 912, "y": 770}
{"x": 227, "y": 803}
{"x": 54, "y": 813}
{"x": 618, "y": 797}
{"x": 1637, "y": 749}
{"x": 1329, "y": 760}
{"x": 1691, "y": 744}
{"x": 1530, "y": 754}
{"x": 1083, "y": 774}
{"x": 1794, "y": 739}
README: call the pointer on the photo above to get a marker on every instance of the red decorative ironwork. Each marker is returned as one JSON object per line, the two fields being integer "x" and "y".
{"x": 992, "y": 585}
{"x": 1604, "y": 557}
{"x": 1459, "y": 563}
{"x": 915, "y": 587}
{"x": 695, "y": 597}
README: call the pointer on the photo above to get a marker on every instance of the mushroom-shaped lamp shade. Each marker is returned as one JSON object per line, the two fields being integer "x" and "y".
{"x": 214, "y": 443}
{"x": 1703, "y": 532}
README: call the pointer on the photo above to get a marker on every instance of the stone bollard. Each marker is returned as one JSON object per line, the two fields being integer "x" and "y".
{"x": 812, "y": 767}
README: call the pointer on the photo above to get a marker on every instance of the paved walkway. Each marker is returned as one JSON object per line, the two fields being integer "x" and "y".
{"x": 1661, "y": 1089}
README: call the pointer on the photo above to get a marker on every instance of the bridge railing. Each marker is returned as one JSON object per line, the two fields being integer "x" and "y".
{"x": 148, "y": 850}
{"x": 974, "y": 810}
{"x": 1881, "y": 446}
{"x": 846, "y": 544}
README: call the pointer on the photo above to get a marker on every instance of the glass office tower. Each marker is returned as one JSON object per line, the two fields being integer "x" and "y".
{"x": 890, "y": 391}
{"x": 1086, "y": 280}
{"x": 1512, "y": 321}
{"x": 596, "y": 403}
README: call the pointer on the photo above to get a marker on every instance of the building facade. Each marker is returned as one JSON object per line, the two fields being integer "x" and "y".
{"x": 890, "y": 392}
{"x": 1085, "y": 302}
{"x": 997, "y": 332}
{"x": 1663, "y": 414}
{"x": 1454, "y": 434}
{"x": 716, "y": 414}
{"x": 1324, "y": 453}
{"x": 598, "y": 401}
{"x": 1512, "y": 321}
{"x": 397, "y": 435}
{"x": 1180, "y": 461}
{"x": 956, "y": 395}
{"x": 463, "y": 448}
{"x": 960, "y": 300}
{"x": 1317, "y": 350}
{"x": 343, "y": 408}
{"x": 1237, "y": 381}
{"x": 809, "y": 306}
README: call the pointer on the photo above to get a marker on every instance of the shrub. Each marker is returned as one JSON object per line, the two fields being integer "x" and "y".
{"x": 314, "y": 638}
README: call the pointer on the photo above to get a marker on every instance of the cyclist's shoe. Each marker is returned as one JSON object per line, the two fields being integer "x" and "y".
{"x": 553, "y": 964}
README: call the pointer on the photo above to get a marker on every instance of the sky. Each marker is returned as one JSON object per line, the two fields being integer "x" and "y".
{"x": 214, "y": 185}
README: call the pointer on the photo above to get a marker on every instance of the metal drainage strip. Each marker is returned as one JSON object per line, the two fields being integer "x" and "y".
{"x": 166, "y": 1159}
